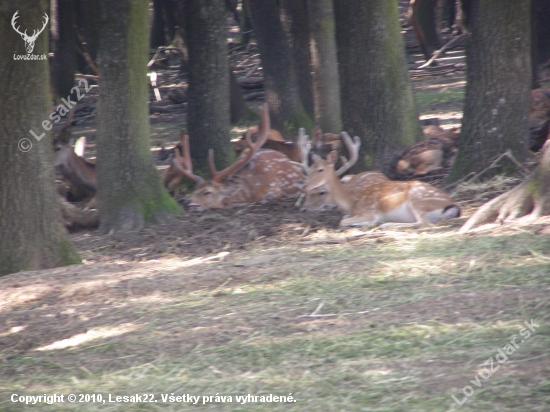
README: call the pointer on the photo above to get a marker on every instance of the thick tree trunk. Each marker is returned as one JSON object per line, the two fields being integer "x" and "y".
{"x": 32, "y": 235}
{"x": 281, "y": 87}
{"x": 208, "y": 115}
{"x": 495, "y": 114}
{"x": 239, "y": 108}
{"x": 326, "y": 82}
{"x": 377, "y": 99}
{"x": 129, "y": 188}
{"x": 294, "y": 17}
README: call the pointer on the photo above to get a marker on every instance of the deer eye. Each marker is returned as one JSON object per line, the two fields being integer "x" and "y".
{"x": 320, "y": 170}
{"x": 207, "y": 193}
{"x": 322, "y": 193}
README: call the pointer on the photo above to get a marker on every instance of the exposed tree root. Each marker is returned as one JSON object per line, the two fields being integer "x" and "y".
{"x": 528, "y": 200}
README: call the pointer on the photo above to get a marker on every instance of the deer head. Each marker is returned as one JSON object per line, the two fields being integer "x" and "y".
{"x": 317, "y": 196}
{"x": 255, "y": 175}
{"x": 76, "y": 171}
{"x": 29, "y": 40}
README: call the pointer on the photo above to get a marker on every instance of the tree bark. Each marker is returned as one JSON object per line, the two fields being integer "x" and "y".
{"x": 495, "y": 114}
{"x": 239, "y": 108}
{"x": 294, "y": 17}
{"x": 281, "y": 87}
{"x": 209, "y": 110}
{"x": 32, "y": 235}
{"x": 377, "y": 99}
{"x": 326, "y": 84}
{"x": 130, "y": 192}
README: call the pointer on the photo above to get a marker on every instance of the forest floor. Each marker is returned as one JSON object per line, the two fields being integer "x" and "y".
{"x": 266, "y": 300}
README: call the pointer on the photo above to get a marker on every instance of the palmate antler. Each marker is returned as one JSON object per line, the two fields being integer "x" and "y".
{"x": 245, "y": 157}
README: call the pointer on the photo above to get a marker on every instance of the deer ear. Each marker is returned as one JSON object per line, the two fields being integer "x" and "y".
{"x": 332, "y": 157}
{"x": 80, "y": 146}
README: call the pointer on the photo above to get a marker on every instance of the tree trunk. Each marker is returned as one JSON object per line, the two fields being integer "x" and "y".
{"x": 281, "y": 86}
{"x": 495, "y": 114}
{"x": 423, "y": 15}
{"x": 208, "y": 114}
{"x": 245, "y": 23}
{"x": 239, "y": 108}
{"x": 32, "y": 235}
{"x": 326, "y": 84}
{"x": 294, "y": 17}
{"x": 130, "y": 192}
{"x": 377, "y": 99}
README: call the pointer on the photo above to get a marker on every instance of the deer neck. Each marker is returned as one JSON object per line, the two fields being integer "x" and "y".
{"x": 342, "y": 195}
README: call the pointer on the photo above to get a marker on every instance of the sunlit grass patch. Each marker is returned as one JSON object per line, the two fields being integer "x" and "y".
{"x": 429, "y": 98}
{"x": 396, "y": 322}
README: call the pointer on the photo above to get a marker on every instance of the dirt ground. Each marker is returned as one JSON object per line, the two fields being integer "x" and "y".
{"x": 265, "y": 299}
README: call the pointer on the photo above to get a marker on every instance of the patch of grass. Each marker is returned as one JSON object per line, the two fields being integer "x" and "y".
{"x": 430, "y": 98}
{"x": 398, "y": 323}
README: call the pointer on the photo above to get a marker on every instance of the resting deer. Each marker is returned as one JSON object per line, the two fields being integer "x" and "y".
{"x": 78, "y": 172}
{"x": 431, "y": 154}
{"x": 319, "y": 198}
{"x": 410, "y": 202}
{"x": 322, "y": 143}
{"x": 255, "y": 175}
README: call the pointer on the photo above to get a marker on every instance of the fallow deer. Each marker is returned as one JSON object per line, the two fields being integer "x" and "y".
{"x": 319, "y": 198}
{"x": 434, "y": 153}
{"x": 407, "y": 203}
{"x": 539, "y": 118}
{"x": 79, "y": 173}
{"x": 255, "y": 175}
{"x": 322, "y": 143}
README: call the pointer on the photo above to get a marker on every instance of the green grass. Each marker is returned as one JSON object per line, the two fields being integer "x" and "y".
{"x": 428, "y": 99}
{"x": 411, "y": 319}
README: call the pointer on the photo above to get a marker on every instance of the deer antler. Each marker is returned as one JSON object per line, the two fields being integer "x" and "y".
{"x": 37, "y": 32}
{"x": 184, "y": 164}
{"x": 25, "y": 35}
{"x": 305, "y": 148}
{"x": 353, "y": 149}
{"x": 247, "y": 154}
{"x": 13, "y": 19}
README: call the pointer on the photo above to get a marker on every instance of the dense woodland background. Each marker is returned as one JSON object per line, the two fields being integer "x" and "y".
{"x": 264, "y": 299}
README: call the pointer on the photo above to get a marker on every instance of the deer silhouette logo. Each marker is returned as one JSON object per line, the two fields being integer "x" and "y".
{"x": 29, "y": 40}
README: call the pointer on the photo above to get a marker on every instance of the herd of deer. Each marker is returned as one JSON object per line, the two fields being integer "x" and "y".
{"x": 268, "y": 167}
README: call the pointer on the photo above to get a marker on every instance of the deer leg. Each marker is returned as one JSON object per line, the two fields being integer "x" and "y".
{"x": 92, "y": 204}
{"x": 400, "y": 225}
{"x": 367, "y": 221}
